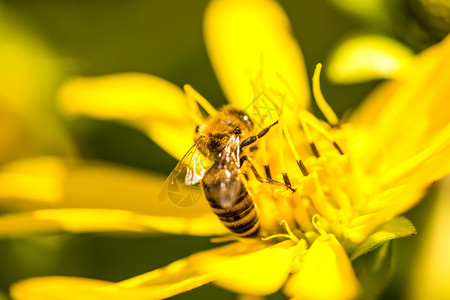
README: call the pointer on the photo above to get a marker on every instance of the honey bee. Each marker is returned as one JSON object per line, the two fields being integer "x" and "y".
{"x": 215, "y": 163}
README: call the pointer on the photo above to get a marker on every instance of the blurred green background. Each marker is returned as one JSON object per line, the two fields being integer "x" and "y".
{"x": 164, "y": 38}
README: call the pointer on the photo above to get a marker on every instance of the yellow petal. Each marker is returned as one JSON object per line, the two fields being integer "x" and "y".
{"x": 149, "y": 103}
{"x": 428, "y": 165}
{"x": 174, "y": 279}
{"x": 29, "y": 70}
{"x": 257, "y": 273}
{"x": 49, "y": 182}
{"x": 178, "y": 277}
{"x": 402, "y": 114}
{"x": 381, "y": 208}
{"x": 79, "y": 220}
{"x": 29, "y": 74}
{"x": 245, "y": 38}
{"x": 367, "y": 57}
{"x": 325, "y": 273}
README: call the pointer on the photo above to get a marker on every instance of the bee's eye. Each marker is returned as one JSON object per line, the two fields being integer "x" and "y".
{"x": 247, "y": 120}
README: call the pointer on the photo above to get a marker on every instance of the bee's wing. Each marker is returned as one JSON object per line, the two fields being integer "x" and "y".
{"x": 182, "y": 187}
{"x": 229, "y": 174}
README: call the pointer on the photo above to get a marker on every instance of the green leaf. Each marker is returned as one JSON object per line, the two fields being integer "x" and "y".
{"x": 374, "y": 271}
{"x": 398, "y": 227}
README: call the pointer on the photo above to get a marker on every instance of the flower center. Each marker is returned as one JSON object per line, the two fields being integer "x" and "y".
{"x": 314, "y": 159}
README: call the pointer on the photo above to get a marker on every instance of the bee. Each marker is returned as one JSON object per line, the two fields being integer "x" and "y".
{"x": 215, "y": 163}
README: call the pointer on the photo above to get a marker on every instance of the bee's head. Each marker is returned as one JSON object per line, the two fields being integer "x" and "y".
{"x": 215, "y": 133}
{"x": 244, "y": 120}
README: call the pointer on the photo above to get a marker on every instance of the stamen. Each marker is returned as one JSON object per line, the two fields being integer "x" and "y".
{"x": 196, "y": 118}
{"x": 281, "y": 152}
{"x": 302, "y": 122}
{"x": 290, "y": 235}
{"x": 309, "y": 137}
{"x": 254, "y": 86}
{"x": 286, "y": 179}
{"x": 294, "y": 151}
{"x": 289, "y": 231}
{"x": 311, "y": 120}
{"x": 194, "y": 111}
{"x": 288, "y": 87}
{"x": 324, "y": 107}
{"x": 316, "y": 224}
{"x": 320, "y": 100}
{"x": 274, "y": 236}
{"x": 191, "y": 92}
{"x": 302, "y": 167}
{"x": 267, "y": 169}
{"x": 315, "y": 150}
{"x": 289, "y": 141}
{"x": 338, "y": 148}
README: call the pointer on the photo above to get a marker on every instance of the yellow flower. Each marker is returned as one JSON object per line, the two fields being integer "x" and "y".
{"x": 353, "y": 178}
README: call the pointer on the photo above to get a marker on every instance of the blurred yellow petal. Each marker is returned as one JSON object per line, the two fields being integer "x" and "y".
{"x": 325, "y": 273}
{"x": 29, "y": 74}
{"x": 174, "y": 279}
{"x": 259, "y": 273}
{"x": 56, "y": 287}
{"x": 78, "y": 220}
{"x": 431, "y": 271}
{"x": 50, "y": 182}
{"x": 407, "y": 115}
{"x": 245, "y": 38}
{"x": 149, "y": 103}
{"x": 428, "y": 165}
{"x": 29, "y": 70}
{"x": 178, "y": 277}
{"x": 367, "y": 57}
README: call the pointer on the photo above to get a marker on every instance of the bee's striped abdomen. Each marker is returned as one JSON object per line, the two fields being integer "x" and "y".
{"x": 241, "y": 218}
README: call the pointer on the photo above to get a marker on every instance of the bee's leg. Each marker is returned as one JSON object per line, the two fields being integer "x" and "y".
{"x": 250, "y": 140}
{"x": 264, "y": 179}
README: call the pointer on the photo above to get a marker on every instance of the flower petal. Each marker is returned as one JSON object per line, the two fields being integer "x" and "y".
{"x": 257, "y": 273}
{"x": 29, "y": 74}
{"x": 51, "y": 183}
{"x": 29, "y": 71}
{"x": 176, "y": 278}
{"x": 349, "y": 63}
{"x": 408, "y": 116}
{"x": 151, "y": 104}
{"x": 104, "y": 220}
{"x": 245, "y": 38}
{"x": 326, "y": 273}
